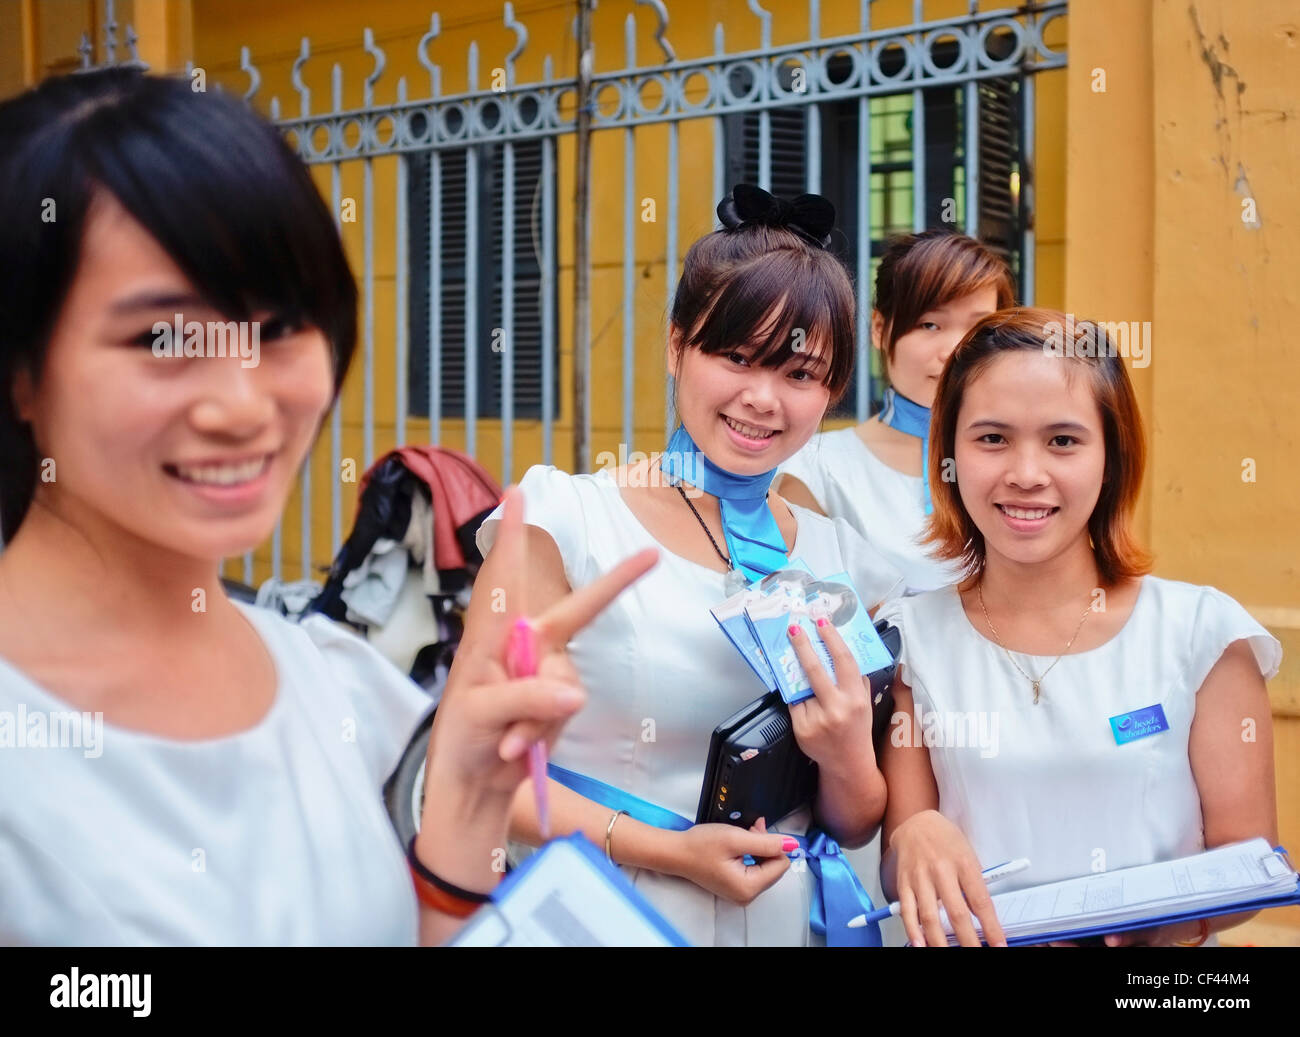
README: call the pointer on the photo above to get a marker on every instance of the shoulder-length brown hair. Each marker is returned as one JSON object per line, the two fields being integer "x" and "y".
{"x": 1084, "y": 343}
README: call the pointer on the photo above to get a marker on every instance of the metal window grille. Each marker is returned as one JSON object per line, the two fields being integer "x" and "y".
{"x": 882, "y": 117}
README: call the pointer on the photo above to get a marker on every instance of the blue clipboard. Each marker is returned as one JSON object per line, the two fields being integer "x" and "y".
{"x": 1283, "y": 900}
{"x": 1258, "y": 904}
{"x": 598, "y": 865}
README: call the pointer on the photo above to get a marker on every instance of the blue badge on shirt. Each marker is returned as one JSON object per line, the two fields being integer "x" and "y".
{"x": 1129, "y": 727}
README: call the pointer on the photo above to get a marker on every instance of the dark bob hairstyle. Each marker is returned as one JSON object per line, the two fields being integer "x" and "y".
{"x": 211, "y": 180}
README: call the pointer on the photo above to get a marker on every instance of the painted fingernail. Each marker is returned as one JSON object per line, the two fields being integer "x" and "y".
{"x": 788, "y": 844}
{"x": 823, "y": 621}
{"x": 792, "y": 630}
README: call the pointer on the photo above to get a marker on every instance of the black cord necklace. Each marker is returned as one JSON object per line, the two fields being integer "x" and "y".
{"x": 698, "y": 518}
{"x": 736, "y": 580}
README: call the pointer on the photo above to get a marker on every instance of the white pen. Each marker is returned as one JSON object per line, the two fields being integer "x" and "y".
{"x": 989, "y": 875}
{"x": 1002, "y": 871}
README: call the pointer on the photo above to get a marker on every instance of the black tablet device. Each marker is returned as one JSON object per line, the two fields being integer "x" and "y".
{"x": 756, "y": 768}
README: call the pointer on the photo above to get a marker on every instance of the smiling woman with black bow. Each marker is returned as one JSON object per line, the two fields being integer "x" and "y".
{"x": 761, "y": 344}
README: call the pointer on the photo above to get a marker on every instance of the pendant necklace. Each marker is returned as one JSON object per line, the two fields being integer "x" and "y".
{"x": 734, "y": 580}
{"x": 1033, "y": 682}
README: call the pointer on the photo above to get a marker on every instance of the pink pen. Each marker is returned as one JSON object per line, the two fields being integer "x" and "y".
{"x": 521, "y": 661}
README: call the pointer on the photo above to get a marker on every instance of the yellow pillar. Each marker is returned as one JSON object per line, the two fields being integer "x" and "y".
{"x": 1180, "y": 210}
{"x": 1110, "y": 228}
{"x": 39, "y": 38}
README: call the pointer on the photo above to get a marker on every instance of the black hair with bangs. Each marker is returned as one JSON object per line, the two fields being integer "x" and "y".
{"x": 207, "y": 177}
{"x": 754, "y": 286}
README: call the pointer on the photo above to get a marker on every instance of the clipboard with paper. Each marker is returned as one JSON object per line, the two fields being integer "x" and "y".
{"x": 567, "y": 895}
{"x": 1244, "y": 876}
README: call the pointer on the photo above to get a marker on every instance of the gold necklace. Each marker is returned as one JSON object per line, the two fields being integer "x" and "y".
{"x": 979, "y": 587}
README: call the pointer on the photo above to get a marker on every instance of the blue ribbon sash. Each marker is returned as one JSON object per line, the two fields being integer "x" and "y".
{"x": 840, "y": 895}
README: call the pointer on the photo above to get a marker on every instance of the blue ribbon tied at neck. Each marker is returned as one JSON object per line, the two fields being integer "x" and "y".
{"x": 754, "y": 541}
{"x": 910, "y": 418}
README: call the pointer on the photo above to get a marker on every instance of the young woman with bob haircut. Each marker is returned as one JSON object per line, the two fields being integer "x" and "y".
{"x": 1057, "y": 633}
{"x": 224, "y": 784}
{"x": 931, "y": 288}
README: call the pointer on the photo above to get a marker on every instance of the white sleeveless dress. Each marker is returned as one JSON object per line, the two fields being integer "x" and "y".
{"x": 1048, "y": 781}
{"x": 886, "y": 506}
{"x": 661, "y": 675}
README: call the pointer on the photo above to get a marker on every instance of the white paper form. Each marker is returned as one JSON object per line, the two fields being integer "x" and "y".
{"x": 1237, "y": 873}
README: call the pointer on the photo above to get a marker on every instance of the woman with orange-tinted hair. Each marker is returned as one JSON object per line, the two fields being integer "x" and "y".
{"x": 1059, "y": 703}
{"x": 931, "y": 288}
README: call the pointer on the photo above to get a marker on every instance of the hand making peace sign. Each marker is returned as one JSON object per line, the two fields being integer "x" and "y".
{"x": 487, "y": 720}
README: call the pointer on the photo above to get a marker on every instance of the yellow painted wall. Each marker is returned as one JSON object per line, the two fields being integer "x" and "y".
{"x": 273, "y": 29}
{"x": 211, "y": 32}
{"x": 1198, "y": 114}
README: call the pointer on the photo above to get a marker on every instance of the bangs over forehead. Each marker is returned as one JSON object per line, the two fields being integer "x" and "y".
{"x": 783, "y": 306}
{"x": 203, "y": 174}
{"x": 923, "y": 272}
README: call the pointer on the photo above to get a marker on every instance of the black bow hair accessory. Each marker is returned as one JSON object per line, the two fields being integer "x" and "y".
{"x": 810, "y": 216}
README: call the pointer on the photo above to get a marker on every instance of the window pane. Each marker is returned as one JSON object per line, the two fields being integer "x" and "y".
{"x": 526, "y": 249}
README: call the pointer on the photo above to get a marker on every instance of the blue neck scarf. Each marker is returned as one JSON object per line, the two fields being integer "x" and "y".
{"x": 754, "y": 543}
{"x": 911, "y": 419}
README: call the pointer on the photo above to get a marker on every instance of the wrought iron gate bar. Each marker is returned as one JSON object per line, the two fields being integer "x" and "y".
{"x": 740, "y": 82}
{"x": 449, "y": 202}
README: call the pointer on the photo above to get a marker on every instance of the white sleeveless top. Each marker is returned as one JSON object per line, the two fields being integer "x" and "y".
{"x": 661, "y": 675}
{"x": 273, "y": 835}
{"x": 1048, "y": 781}
{"x": 886, "y": 506}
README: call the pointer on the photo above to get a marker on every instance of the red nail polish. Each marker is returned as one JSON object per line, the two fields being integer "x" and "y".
{"x": 792, "y": 630}
{"x": 823, "y": 621}
{"x": 788, "y": 845}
